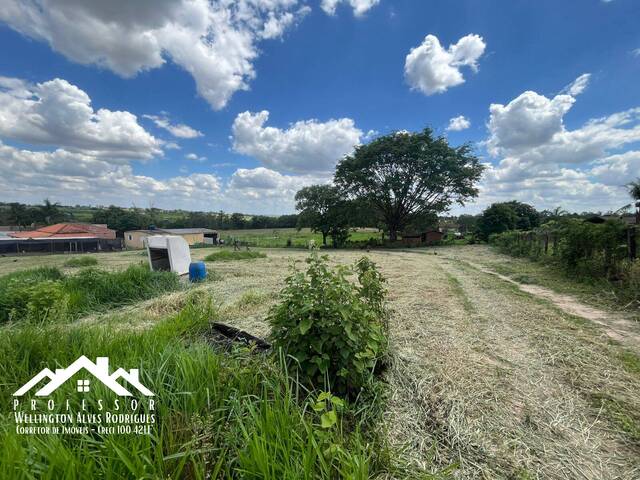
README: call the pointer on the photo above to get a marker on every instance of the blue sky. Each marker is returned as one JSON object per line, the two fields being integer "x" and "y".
{"x": 269, "y": 94}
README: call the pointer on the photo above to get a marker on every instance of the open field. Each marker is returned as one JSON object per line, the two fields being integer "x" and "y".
{"x": 278, "y": 237}
{"x": 486, "y": 379}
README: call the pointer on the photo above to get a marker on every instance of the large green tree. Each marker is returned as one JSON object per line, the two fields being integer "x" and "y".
{"x": 323, "y": 209}
{"x": 500, "y": 217}
{"x": 404, "y": 176}
{"x": 528, "y": 216}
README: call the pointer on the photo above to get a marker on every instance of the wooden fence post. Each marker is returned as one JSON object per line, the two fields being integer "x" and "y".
{"x": 546, "y": 243}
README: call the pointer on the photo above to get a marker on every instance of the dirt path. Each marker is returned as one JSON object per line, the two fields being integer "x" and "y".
{"x": 500, "y": 382}
{"x": 615, "y": 325}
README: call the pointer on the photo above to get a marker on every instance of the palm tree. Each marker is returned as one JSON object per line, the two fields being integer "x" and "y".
{"x": 50, "y": 212}
{"x": 634, "y": 190}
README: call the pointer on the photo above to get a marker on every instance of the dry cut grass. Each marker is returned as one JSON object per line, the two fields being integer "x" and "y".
{"x": 485, "y": 379}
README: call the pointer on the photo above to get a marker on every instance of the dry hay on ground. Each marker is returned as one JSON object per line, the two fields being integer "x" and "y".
{"x": 484, "y": 376}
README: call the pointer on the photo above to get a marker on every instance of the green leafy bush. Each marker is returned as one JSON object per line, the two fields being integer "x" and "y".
{"x": 581, "y": 248}
{"x": 81, "y": 262}
{"x": 229, "y": 255}
{"x": 333, "y": 328}
{"x": 47, "y": 300}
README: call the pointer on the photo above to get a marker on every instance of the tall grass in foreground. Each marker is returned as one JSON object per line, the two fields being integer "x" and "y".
{"x": 46, "y": 293}
{"x": 236, "y": 415}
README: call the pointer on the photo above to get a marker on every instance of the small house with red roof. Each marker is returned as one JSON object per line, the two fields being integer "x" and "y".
{"x": 68, "y": 230}
{"x": 61, "y": 238}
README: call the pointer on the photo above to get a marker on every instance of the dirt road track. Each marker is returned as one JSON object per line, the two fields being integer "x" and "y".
{"x": 616, "y": 325}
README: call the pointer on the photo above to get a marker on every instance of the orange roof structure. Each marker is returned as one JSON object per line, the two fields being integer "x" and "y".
{"x": 68, "y": 230}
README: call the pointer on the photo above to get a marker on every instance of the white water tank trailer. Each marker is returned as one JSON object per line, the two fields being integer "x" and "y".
{"x": 168, "y": 252}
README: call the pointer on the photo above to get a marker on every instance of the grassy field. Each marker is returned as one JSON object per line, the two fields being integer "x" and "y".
{"x": 283, "y": 237}
{"x": 486, "y": 380}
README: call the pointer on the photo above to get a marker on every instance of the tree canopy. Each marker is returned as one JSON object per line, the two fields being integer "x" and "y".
{"x": 405, "y": 176}
{"x": 501, "y": 217}
{"x": 324, "y": 210}
{"x": 528, "y": 216}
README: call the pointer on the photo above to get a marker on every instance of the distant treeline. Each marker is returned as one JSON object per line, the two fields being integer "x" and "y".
{"x": 123, "y": 219}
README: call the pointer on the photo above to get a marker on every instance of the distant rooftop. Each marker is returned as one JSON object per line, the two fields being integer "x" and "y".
{"x": 64, "y": 230}
{"x": 177, "y": 231}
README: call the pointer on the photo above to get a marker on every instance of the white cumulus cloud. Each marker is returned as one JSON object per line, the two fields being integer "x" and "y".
{"x": 57, "y": 113}
{"x": 527, "y": 121}
{"x": 263, "y": 188}
{"x": 458, "y": 123}
{"x": 194, "y": 157}
{"x": 540, "y": 161}
{"x": 216, "y": 41}
{"x": 431, "y": 69}
{"x": 307, "y": 146}
{"x": 179, "y": 130}
{"x": 73, "y": 177}
{"x": 360, "y": 7}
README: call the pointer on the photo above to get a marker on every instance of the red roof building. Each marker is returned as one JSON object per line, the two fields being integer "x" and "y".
{"x": 68, "y": 230}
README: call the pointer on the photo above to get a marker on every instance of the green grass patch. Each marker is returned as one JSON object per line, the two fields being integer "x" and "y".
{"x": 287, "y": 237}
{"x": 252, "y": 298}
{"x": 233, "y": 415}
{"x": 630, "y": 361}
{"x": 230, "y": 255}
{"x": 47, "y": 294}
{"x": 456, "y": 286}
{"x": 621, "y": 414}
{"x": 81, "y": 262}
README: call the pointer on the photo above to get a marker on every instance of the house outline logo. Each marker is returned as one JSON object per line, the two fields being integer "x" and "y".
{"x": 99, "y": 369}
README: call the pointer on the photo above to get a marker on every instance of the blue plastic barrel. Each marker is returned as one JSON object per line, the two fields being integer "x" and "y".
{"x": 197, "y": 271}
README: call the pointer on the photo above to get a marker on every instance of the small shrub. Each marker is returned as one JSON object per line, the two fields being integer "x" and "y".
{"x": 333, "y": 328}
{"x": 47, "y": 300}
{"x": 81, "y": 262}
{"x": 229, "y": 255}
